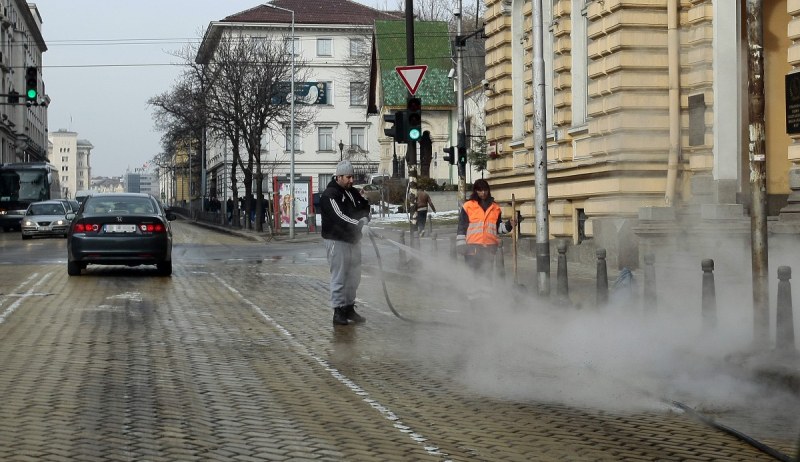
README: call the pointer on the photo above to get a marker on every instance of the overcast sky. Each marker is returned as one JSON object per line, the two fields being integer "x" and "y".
{"x": 106, "y": 58}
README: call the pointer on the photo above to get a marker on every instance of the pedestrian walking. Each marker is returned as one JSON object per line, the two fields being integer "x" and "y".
{"x": 345, "y": 214}
{"x": 423, "y": 202}
{"x": 229, "y": 207}
{"x": 479, "y": 224}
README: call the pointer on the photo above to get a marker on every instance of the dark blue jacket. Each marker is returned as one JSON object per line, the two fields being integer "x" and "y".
{"x": 341, "y": 210}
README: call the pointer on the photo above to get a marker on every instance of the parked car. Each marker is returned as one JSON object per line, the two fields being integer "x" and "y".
{"x": 71, "y": 205}
{"x": 45, "y": 218}
{"x": 129, "y": 229}
{"x": 370, "y": 191}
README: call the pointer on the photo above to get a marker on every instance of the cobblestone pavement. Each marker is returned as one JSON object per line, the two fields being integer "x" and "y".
{"x": 234, "y": 358}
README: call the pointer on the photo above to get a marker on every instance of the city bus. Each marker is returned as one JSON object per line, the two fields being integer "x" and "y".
{"x": 22, "y": 183}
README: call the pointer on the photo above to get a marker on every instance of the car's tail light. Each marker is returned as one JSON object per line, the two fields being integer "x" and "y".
{"x": 152, "y": 228}
{"x": 81, "y": 227}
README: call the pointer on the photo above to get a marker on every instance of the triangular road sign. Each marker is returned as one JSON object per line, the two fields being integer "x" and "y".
{"x": 411, "y": 76}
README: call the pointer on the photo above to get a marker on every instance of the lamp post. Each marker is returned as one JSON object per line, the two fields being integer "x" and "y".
{"x": 291, "y": 127}
{"x": 341, "y": 150}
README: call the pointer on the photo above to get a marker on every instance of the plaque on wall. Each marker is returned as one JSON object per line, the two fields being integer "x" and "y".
{"x": 793, "y": 103}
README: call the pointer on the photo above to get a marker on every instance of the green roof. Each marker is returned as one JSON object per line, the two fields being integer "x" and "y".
{"x": 431, "y": 48}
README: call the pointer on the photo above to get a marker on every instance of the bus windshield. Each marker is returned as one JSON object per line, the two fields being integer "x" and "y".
{"x": 23, "y": 185}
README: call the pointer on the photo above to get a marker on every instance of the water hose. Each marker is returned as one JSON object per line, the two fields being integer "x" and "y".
{"x": 383, "y": 280}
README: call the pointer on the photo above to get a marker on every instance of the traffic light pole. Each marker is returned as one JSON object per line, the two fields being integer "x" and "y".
{"x": 461, "y": 141}
{"x": 540, "y": 156}
{"x": 411, "y": 145}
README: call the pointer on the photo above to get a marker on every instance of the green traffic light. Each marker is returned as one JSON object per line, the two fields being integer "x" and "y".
{"x": 31, "y": 94}
{"x": 414, "y": 134}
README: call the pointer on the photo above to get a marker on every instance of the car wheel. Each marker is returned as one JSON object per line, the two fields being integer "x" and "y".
{"x": 165, "y": 268}
{"x": 73, "y": 268}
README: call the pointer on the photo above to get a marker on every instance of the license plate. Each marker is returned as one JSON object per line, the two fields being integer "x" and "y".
{"x": 120, "y": 228}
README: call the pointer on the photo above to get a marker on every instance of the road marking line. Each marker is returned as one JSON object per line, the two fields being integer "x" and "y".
{"x": 24, "y": 296}
{"x": 357, "y": 390}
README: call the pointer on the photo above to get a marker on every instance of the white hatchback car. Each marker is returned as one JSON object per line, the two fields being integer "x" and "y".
{"x": 45, "y": 218}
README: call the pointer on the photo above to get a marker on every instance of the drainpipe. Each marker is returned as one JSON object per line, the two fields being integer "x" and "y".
{"x": 673, "y": 46}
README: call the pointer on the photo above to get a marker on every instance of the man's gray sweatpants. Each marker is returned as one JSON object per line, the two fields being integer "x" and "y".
{"x": 345, "y": 263}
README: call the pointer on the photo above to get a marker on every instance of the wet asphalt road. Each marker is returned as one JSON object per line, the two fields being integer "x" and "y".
{"x": 234, "y": 358}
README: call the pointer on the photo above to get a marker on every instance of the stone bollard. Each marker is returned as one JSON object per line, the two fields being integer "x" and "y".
{"x": 402, "y": 260}
{"x": 500, "y": 261}
{"x": 709, "y": 307}
{"x": 650, "y": 298}
{"x": 602, "y": 277}
{"x": 453, "y": 253}
{"x": 562, "y": 285}
{"x": 434, "y": 245}
{"x": 784, "y": 325}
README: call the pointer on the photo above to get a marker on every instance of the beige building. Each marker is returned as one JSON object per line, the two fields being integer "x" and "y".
{"x": 646, "y": 115}
{"x": 71, "y": 157}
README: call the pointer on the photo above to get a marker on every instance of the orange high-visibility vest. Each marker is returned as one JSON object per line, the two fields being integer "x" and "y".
{"x": 482, "y": 229}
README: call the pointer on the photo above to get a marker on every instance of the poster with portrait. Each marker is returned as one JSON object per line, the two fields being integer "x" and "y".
{"x": 302, "y": 199}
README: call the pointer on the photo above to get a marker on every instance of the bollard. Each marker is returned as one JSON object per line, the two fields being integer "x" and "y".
{"x": 562, "y": 286}
{"x": 402, "y": 261}
{"x": 414, "y": 236}
{"x": 650, "y": 298}
{"x": 453, "y": 253}
{"x": 709, "y": 307}
{"x": 500, "y": 261}
{"x": 434, "y": 244}
{"x": 602, "y": 277}
{"x": 784, "y": 325}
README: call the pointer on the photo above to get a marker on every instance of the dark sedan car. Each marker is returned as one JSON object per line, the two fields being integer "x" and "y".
{"x": 129, "y": 229}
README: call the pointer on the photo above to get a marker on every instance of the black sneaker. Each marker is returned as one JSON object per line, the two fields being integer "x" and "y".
{"x": 340, "y": 316}
{"x": 350, "y": 313}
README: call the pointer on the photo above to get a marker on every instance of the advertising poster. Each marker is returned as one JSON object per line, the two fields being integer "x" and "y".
{"x": 302, "y": 189}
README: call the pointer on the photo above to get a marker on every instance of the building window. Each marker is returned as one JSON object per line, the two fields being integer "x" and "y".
{"x": 324, "y": 47}
{"x": 358, "y": 137}
{"x": 358, "y": 48}
{"x": 326, "y": 138}
{"x": 64, "y": 158}
{"x": 288, "y": 44}
{"x": 288, "y": 136}
{"x": 358, "y": 94}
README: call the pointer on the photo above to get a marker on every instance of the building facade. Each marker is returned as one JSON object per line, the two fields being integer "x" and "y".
{"x": 333, "y": 44}
{"x": 71, "y": 156}
{"x": 23, "y": 127}
{"x": 646, "y": 113}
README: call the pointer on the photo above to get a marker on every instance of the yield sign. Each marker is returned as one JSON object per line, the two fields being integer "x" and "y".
{"x": 411, "y": 76}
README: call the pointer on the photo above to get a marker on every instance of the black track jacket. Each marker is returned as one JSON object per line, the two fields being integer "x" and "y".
{"x": 341, "y": 210}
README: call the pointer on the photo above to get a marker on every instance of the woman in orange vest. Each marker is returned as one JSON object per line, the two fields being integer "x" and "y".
{"x": 479, "y": 225}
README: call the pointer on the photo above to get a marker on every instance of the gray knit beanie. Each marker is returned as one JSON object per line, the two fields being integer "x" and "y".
{"x": 344, "y": 168}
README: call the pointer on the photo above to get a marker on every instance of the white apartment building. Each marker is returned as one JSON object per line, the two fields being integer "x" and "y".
{"x": 71, "y": 157}
{"x": 329, "y": 41}
{"x": 23, "y": 127}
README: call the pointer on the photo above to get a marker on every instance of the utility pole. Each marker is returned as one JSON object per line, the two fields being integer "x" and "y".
{"x": 540, "y": 155}
{"x": 461, "y": 141}
{"x": 758, "y": 176}
{"x": 411, "y": 145}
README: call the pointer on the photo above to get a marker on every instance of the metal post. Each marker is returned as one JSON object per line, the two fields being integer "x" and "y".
{"x": 562, "y": 284}
{"x": 540, "y": 157}
{"x": 650, "y": 297}
{"x": 434, "y": 244}
{"x": 291, "y": 143}
{"x": 453, "y": 252}
{"x": 784, "y": 324}
{"x": 402, "y": 259}
{"x": 500, "y": 261}
{"x": 758, "y": 175}
{"x": 709, "y": 307}
{"x": 602, "y": 278}
{"x": 461, "y": 138}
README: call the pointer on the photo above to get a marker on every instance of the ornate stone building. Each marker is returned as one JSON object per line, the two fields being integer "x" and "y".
{"x": 646, "y": 116}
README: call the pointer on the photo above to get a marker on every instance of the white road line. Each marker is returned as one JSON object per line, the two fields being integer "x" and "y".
{"x": 357, "y": 390}
{"x": 22, "y": 297}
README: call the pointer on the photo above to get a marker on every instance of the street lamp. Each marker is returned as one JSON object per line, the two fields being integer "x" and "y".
{"x": 341, "y": 150}
{"x": 291, "y": 128}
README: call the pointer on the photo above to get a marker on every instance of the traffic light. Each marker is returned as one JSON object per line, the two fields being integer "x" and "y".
{"x": 452, "y": 154}
{"x": 414, "y": 119}
{"x": 31, "y": 84}
{"x": 462, "y": 161}
{"x": 397, "y": 131}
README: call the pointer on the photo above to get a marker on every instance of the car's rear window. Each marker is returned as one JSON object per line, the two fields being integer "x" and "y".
{"x": 112, "y": 205}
